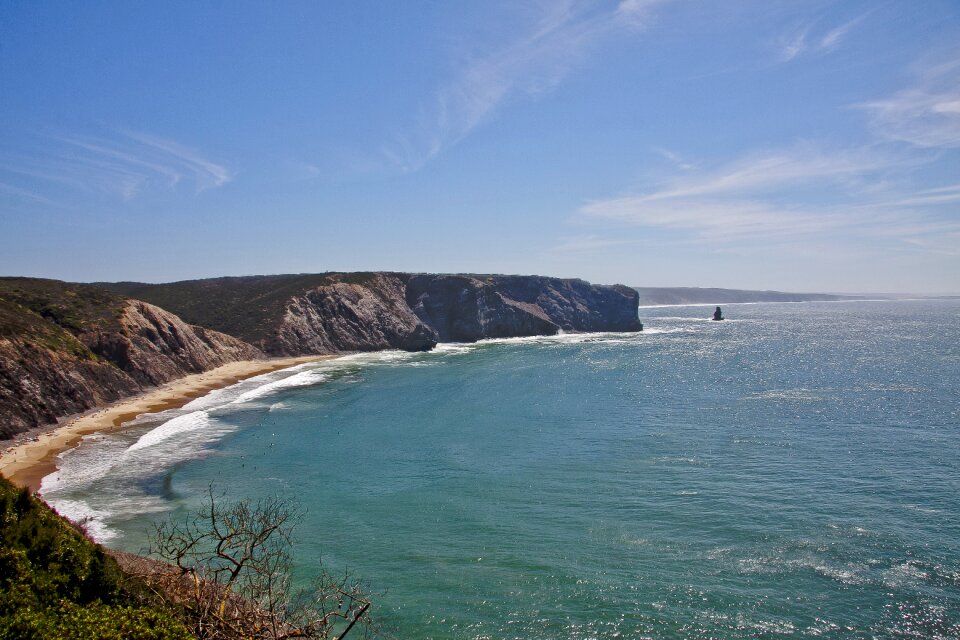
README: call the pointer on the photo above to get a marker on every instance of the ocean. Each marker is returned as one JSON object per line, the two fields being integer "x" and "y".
{"x": 792, "y": 471}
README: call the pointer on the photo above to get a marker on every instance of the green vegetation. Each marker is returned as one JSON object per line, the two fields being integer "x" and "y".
{"x": 247, "y": 307}
{"x": 52, "y": 314}
{"x": 56, "y": 583}
{"x": 75, "y": 307}
{"x": 20, "y": 323}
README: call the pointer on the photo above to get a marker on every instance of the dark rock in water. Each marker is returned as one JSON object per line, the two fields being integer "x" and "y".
{"x": 718, "y": 315}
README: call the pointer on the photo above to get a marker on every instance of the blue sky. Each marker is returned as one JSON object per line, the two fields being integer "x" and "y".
{"x": 800, "y": 146}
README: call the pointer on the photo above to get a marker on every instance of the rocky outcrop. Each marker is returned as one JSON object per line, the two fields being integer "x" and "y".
{"x": 154, "y": 346}
{"x": 350, "y": 316}
{"x": 466, "y": 308}
{"x": 306, "y": 314}
{"x": 413, "y": 312}
{"x": 65, "y": 349}
{"x": 38, "y": 385}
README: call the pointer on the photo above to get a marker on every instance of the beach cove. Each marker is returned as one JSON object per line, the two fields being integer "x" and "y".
{"x": 34, "y": 456}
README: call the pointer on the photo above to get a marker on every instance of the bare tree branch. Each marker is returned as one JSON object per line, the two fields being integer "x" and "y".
{"x": 229, "y": 572}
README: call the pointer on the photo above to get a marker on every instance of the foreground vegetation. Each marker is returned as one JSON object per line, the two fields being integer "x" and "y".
{"x": 223, "y": 573}
{"x": 55, "y": 583}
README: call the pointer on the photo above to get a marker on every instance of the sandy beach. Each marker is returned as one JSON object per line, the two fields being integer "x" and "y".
{"x": 27, "y": 463}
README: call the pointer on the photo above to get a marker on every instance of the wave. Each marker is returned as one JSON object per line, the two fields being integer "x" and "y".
{"x": 193, "y": 421}
{"x": 302, "y": 379}
{"x": 89, "y": 518}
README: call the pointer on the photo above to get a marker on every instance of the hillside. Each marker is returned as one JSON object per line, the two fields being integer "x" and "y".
{"x": 66, "y": 348}
{"x": 336, "y": 312}
{"x": 696, "y": 295}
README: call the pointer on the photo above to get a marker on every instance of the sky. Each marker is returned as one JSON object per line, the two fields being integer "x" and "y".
{"x": 756, "y": 144}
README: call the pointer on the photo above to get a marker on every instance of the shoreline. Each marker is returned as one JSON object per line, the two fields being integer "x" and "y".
{"x": 26, "y": 463}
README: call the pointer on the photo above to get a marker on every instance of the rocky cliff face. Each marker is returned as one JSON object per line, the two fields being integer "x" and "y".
{"x": 336, "y": 312}
{"x": 414, "y": 312}
{"x": 38, "y": 385}
{"x": 465, "y": 308}
{"x": 349, "y": 316}
{"x": 69, "y": 348}
{"x": 154, "y": 346}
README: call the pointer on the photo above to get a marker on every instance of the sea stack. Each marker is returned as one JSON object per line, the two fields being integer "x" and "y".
{"x": 718, "y": 315}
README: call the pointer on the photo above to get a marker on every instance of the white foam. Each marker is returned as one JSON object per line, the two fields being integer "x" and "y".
{"x": 192, "y": 421}
{"x": 87, "y": 517}
{"x": 302, "y": 379}
{"x": 80, "y": 466}
{"x": 452, "y": 348}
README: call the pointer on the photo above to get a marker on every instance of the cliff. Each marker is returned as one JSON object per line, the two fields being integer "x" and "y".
{"x": 336, "y": 312}
{"x": 66, "y": 348}
{"x": 467, "y": 308}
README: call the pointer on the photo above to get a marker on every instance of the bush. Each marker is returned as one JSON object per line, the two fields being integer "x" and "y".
{"x": 55, "y": 583}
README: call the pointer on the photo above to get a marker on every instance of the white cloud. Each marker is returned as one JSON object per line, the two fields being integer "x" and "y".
{"x": 804, "y": 41}
{"x": 793, "y": 45}
{"x": 123, "y": 164}
{"x": 674, "y": 158}
{"x": 531, "y": 64}
{"x": 924, "y": 115}
{"x": 721, "y": 221}
{"x": 789, "y": 194}
{"x": 587, "y": 243}
{"x": 773, "y": 170}
{"x": 206, "y": 173}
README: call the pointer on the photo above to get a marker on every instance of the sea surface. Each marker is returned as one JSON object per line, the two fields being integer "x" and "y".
{"x": 792, "y": 471}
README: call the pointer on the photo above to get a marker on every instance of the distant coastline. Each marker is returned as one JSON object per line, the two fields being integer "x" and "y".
{"x": 34, "y": 454}
{"x": 675, "y": 296}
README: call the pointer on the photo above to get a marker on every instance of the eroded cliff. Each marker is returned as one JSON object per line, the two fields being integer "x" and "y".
{"x": 339, "y": 312}
{"x": 67, "y": 348}
{"x": 371, "y": 315}
{"x": 466, "y": 308}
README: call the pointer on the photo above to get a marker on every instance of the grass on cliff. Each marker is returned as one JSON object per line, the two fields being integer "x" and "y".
{"x": 21, "y": 324}
{"x": 77, "y": 308}
{"x": 247, "y": 307}
{"x": 52, "y": 314}
{"x": 56, "y": 583}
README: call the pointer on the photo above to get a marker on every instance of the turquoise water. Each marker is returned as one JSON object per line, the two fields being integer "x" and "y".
{"x": 793, "y": 471}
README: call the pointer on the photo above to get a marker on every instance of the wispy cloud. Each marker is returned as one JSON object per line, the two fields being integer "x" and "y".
{"x": 674, "y": 157}
{"x": 206, "y": 174}
{"x": 22, "y": 194}
{"x": 121, "y": 164}
{"x": 807, "y": 39}
{"x": 789, "y": 194}
{"x": 773, "y": 170}
{"x": 587, "y": 243}
{"x": 924, "y": 115}
{"x": 535, "y": 62}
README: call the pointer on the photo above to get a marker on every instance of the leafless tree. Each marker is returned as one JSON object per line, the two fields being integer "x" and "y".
{"x": 229, "y": 572}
